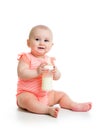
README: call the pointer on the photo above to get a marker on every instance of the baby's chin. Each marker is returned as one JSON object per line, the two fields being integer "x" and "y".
{"x": 38, "y": 53}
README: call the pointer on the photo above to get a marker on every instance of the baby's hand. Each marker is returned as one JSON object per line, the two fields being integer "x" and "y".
{"x": 56, "y": 73}
{"x": 54, "y": 69}
{"x": 41, "y": 69}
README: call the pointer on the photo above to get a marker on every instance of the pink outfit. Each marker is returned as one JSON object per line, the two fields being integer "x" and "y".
{"x": 32, "y": 85}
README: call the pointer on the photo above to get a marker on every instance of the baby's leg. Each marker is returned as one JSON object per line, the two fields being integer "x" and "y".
{"x": 30, "y": 102}
{"x": 65, "y": 102}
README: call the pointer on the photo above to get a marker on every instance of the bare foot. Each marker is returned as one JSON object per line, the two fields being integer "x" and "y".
{"x": 53, "y": 111}
{"x": 82, "y": 107}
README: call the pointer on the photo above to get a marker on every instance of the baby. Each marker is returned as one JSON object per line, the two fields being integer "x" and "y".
{"x": 31, "y": 67}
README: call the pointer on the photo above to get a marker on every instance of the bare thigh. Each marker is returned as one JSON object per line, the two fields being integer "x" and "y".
{"x": 54, "y": 97}
{"x": 23, "y": 98}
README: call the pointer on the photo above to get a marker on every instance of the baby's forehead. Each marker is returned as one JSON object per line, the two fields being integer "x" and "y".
{"x": 38, "y": 30}
{"x": 41, "y": 32}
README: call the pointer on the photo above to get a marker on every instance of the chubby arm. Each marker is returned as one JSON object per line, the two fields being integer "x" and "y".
{"x": 56, "y": 73}
{"x": 24, "y": 72}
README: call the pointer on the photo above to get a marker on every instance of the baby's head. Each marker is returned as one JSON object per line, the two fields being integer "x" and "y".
{"x": 41, "y": 28}
{"x": 40, "y": 40}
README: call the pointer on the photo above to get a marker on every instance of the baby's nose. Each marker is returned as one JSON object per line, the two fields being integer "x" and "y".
{"x": 41, "y": 42}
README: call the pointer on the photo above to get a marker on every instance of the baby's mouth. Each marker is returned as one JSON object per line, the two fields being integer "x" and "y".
{"x": 41, "y": 47}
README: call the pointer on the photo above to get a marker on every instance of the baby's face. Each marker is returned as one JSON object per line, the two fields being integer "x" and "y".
{"x": 40, "y": 42}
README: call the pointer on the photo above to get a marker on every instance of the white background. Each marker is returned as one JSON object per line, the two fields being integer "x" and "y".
{"x": 75, "y": 27}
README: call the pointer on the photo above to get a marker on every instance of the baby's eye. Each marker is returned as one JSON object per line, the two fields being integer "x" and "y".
{"x": 37, "y": 39}
{"x": 46, "y": 40}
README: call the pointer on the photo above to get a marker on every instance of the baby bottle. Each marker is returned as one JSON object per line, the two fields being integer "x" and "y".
{"x": 47, "y": 77}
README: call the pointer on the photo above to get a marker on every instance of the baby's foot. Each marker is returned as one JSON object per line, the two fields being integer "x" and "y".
{"x": 53, "y": 111}
{"x": 82, "y": 107}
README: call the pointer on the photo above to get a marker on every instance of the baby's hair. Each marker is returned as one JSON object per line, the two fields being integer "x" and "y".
{"x": 38, "y": 27}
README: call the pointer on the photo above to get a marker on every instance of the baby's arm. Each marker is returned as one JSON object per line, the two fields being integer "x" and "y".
{"x": 56, "y": 73}
{"x": 24, "y": 72}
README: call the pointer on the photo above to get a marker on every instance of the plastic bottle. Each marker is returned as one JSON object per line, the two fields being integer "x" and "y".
{"x": 47, "y": 78}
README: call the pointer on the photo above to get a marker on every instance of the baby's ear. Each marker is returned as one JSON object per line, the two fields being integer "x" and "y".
{"x": 52, "y": 44}
{"x": 28, "y": 42}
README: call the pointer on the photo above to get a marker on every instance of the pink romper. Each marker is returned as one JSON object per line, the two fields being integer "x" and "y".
{"x": 32, "y": 85}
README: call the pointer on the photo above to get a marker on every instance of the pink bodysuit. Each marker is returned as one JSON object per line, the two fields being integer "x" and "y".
{"x": 32, "y": 85}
